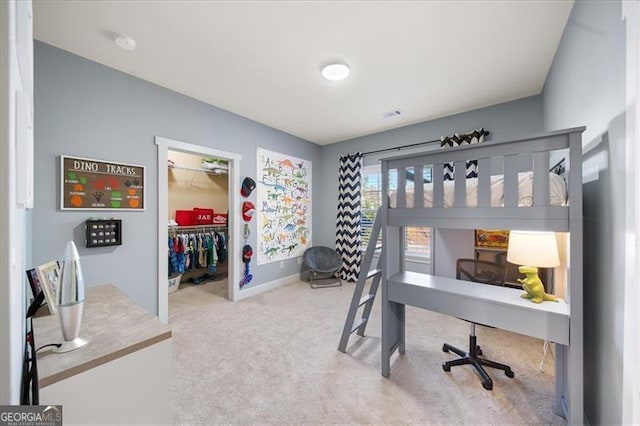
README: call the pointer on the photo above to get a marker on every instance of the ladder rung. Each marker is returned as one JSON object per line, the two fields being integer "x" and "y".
{"x": 378, "y": 247}
{"x": 373, "y": 273}
{"x": 358, "y": 324}
{"x": 366, "y": 298}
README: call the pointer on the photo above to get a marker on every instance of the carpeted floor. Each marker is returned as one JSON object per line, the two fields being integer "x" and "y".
{"x": 272, "y": 359}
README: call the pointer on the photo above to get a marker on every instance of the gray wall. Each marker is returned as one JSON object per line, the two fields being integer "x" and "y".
{"x": 451, "y": 245}
{"x": 504, "y": 121}
{"x": 87, "y": 110}
{"x": 586, "y": 87}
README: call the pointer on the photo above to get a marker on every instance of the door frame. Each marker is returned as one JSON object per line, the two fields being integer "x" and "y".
{"x": 164, "y": 145}
{"x": 631, "y": 345}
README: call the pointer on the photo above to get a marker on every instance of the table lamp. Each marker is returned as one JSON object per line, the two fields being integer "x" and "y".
{"x": 533, "y": 250}
{"x": 70, "y": 300}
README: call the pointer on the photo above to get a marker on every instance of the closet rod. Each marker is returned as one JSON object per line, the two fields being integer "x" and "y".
{"x": 411, "y": 145}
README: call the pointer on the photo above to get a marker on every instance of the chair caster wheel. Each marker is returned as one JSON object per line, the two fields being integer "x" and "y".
{"x": 446, "y": 367}
{"x": 510, "y": 374}
{"x": 445, "y": 349}
{"x": 487, "y": 385}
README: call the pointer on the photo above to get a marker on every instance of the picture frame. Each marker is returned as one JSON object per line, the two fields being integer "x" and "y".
{"x": 498, "y": 239}
{"x": 91, "y": 184}
{"x": 48, "y": 274}
{"x": 34, "y": 282}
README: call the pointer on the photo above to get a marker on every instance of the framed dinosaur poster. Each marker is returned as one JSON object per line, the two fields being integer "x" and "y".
{"x": 283, "y": 206}
{"x": 88, "y": 184}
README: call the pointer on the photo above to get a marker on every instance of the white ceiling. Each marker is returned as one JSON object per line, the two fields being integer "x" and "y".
{"x": 262, "y": 60}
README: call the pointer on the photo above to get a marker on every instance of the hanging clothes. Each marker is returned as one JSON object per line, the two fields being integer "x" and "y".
{"x": 222, "y": 247}
{"x": 173, "y": 259}
{"x": 190, "y": 251}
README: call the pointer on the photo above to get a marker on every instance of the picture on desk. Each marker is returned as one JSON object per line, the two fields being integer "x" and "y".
{"x": 34, "y": 282}
{"x": 492, "y": 238}
{"x": 48, "y": 275}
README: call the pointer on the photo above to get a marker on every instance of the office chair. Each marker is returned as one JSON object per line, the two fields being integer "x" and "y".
{"x": 485, "y": 272}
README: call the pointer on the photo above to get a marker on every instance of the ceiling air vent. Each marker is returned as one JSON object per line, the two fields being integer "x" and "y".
{"x": 392, "y": 113}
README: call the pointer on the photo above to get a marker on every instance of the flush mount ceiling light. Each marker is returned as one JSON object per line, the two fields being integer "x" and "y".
{"x": 335, "y": 71}
{"x": 124, "y": 41}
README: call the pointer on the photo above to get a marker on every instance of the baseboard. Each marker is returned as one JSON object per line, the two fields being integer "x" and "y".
{"x": 261, "y": 288}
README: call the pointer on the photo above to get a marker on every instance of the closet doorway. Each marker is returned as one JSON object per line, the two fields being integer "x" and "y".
{"x": 191, "y": 168}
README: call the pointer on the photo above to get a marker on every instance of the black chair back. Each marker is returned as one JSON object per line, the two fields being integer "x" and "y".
{"x": 481, "y": 271}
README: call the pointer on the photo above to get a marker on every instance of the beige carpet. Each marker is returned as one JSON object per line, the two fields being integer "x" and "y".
{"x": 272, "y": 359}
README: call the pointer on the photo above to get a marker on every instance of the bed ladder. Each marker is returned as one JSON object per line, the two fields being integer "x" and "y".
{"x": 358, "y": 300}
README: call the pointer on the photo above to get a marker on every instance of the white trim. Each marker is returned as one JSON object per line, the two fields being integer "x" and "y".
{"x": 164, "y": 145}
{"x": 6, "y": 323}
{"x": 16, "y": 79}
{"x": 279, "y": 282}
{"x": 631, "y": 345}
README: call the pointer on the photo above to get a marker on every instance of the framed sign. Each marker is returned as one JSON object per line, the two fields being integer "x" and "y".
{"x": 100, "y": 185}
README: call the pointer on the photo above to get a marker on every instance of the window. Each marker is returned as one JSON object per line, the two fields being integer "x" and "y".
{"x": 371, "y": 199}
{"x": 418, "y": 239}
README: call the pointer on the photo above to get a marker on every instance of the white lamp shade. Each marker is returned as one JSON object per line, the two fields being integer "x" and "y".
{"x": 533, "y": 248}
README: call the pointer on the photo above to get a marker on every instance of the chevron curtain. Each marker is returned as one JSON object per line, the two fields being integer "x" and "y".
{"x": 458, "y": 139}
{"x": 348, "y": 231}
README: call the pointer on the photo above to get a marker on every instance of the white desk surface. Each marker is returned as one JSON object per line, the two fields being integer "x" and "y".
{"x": 496, "y": 306}
{"x": 114, "y": 325}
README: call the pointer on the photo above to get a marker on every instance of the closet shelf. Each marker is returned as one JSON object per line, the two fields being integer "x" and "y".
{"x": 197, "y": 227}
{"x": 216, "y": 171}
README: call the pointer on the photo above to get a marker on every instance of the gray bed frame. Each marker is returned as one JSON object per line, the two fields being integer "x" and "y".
{"x": 561, "y": 323}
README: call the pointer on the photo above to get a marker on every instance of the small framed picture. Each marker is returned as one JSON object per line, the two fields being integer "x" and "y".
{"x": 34, "y": 282}
{"x": 492, "y": 238}
{"x": 48, "y": 274}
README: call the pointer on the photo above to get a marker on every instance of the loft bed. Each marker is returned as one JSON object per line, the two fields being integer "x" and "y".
{"x": 456, "y": 204}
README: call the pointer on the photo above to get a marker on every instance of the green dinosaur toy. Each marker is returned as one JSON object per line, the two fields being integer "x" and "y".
{"x": 533, "y": 286}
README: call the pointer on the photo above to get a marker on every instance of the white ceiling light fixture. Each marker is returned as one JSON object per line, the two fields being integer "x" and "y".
{"x": 124, "y": 41}
{"x": 336, "y": 71}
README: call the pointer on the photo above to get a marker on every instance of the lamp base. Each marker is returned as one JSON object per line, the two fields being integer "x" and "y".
{"x": 71, "y": 345}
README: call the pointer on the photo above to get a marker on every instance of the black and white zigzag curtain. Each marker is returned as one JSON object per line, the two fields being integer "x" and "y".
{"x": 458, "y": 139}
{"x": 348, "y": 230}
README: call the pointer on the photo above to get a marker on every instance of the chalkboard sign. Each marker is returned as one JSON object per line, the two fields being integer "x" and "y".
{"x": 100, "y": 185}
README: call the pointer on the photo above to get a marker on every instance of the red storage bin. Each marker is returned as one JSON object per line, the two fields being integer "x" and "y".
{"x": 203, "y": 216}
{"x": 186, "y": 218}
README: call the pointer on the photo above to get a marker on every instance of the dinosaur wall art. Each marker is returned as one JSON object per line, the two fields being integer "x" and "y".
{"x": 284, "y": 206}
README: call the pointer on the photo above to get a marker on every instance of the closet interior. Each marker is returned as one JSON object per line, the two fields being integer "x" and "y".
{"x": 198, "y": 205}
